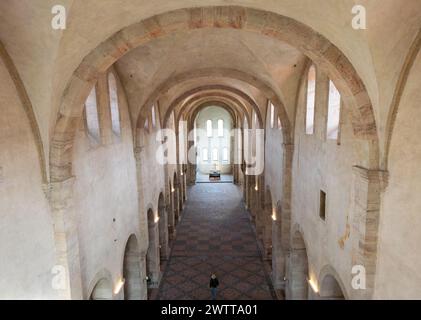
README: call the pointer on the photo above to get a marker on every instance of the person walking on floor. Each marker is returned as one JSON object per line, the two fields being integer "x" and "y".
{"x": 213, "y": 285}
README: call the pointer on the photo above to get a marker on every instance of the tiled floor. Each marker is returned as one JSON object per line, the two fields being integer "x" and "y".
{"x": 215, "y": 235}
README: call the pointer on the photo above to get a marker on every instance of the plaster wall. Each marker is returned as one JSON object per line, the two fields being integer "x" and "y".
{"x": 321, "y": 164}
{"x": 399, "y": 261}
{"x": 26, "y": 226}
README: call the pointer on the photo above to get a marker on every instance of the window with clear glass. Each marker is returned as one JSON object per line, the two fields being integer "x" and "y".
{"x": 209, "y": 128}
{"x": 333, "y": 114}
{"x": 91, "y": 110}
{"x": 220, "y": 128}
{"x": 311, "y": 93}
{"x": 153, "y": 117}
{"x": 205, "y": 154}
{"x": 146, "y": 125}
{"x": 115, "y": 112}
{"x": 225, "y": 154}
{"x": 215, "y": 154}
{"x": 272, "y": 114}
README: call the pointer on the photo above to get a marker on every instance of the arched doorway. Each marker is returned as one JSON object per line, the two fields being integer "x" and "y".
{"x": 163, "y": 230}
{"x": 152, "y": 257}
{"x": 131, "y": 270}
{"x": 298, "y": 269}
{"x": 103, "y": 290}
{"x": 330, "y": 289}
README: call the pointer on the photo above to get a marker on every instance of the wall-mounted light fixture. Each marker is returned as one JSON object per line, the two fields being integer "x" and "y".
{"x": 156, "y": 219}
{"x": 119, "y": 285}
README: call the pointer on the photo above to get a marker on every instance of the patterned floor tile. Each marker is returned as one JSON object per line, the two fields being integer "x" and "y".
{"x": 215, "y": 236}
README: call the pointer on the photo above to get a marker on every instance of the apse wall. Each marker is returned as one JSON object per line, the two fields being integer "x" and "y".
{"x": 399, "y": 258}
{"x": 26, "y": 227}
{"x": 214, "y": 114}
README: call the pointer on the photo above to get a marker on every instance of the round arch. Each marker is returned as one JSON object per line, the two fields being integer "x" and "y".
{"x": 267, "y": 89}
{"x": 331, "y": 285}
{"x": 320, "y": 50}
{"x": 393, "y": 110}
{"x": 195, "y": 110}
{"x": 230, "y": 103}
{"x": 196, "y": 90}
{"x": 299, "y": 268}
{"x": 131, "y": 270}
{"x": 101, "y": 287}
{"x": 268, "y": 24}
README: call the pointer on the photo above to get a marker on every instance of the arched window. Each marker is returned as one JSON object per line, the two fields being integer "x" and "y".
{"x": 209, "y": 128}
{"x": 92, "y": 119}
{"x": 333, "y": 112}
{"x": 146, "y": 125}
{"x": 205, "y": 154}
{"x": 215, "y": 154}
{"x": 115, "y": 112}
{"x": 225, "y": 154}
{"x": 279, "y": 123}
{"x": 311, "y": 92}
{"x": 271, "y": 114}
{"x": 220, "y": 128}
{"x": 153, "y": 117}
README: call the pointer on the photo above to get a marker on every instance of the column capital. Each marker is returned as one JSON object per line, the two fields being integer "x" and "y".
{"x": 372, "y": 175}
{"x": 59, "y": 190}
{"x": 137, "y": 151}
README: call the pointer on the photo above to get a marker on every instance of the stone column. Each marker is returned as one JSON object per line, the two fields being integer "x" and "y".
{"x": 267, "y": 236}
{"x": 153, "y": 263}
{"x": 66, "y": 274}
{"x": 171, "y": 218}
{"x": 278, "y": 256}
{"x": 163, "y": 234}
{"x": 285, "y": 210}
{"x": 143, "y": 275}
{"x": 191, "y": 167}
{"x": 176, "y": 203}
{"x": 143, "y": 221}
{"x": 297, "y": 288}
{"x": 282, "y": 226}
{"x": 367, "y": 187}
{"x": 258, "y": 208}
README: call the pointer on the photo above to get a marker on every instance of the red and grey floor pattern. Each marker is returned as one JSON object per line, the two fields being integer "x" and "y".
{"x": 215, "y": 236}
